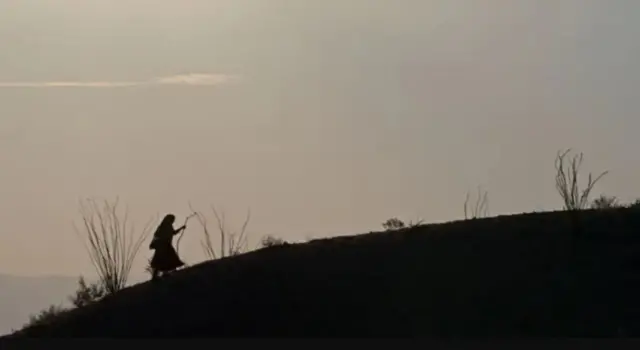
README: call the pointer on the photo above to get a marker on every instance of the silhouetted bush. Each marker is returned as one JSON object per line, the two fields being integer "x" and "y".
{"x": 393, "y": 224}
{"x": 605, "y": 202}
{"x": 271, "y": 241}
{"x": 634, "y": 205}
{"x": 567, "y": 186}
{"x": 480, "y": 208}
{"x": 231, "y": 242}
{"x": 87, "y": 294}
{"x": 110, "y": 242}
{"x": 47, "y": 315}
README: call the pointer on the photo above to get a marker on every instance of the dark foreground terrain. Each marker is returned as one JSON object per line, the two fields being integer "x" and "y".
{"x": 541, "y": 274}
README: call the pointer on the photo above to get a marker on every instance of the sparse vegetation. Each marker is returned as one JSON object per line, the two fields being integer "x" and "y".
{"x": 605, "y": 202}
{"x": 541, "y": 252}
{"x": 514, "y": 275}
{"x": 45, "y": 316}
{"x": 110, "y": 241}
{"x": 271, "y": 241}
{"x": 634, "y": 205}
{"x": 87, "y": 293}
{"x": 84, "y": 295}
{"x": 393, "y": 224}
{"x": 573, "y": 197}
{"x": 480, "y": 208}
{"x": 231, "y": 242}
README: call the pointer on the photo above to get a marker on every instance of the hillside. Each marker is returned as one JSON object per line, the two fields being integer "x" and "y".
{"x": 539, "y": 274}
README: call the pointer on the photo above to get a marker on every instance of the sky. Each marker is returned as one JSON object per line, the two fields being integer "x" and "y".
{"x": 322, "y": 118}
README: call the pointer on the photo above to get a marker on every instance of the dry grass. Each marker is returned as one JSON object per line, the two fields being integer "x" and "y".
{"x": 480, "y": 208}
{"x": 230, "y": 242}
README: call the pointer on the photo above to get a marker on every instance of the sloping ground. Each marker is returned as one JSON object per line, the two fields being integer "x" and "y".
{"x": 541, "y": 274}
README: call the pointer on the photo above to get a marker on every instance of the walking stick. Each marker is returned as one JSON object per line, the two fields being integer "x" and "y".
{"x": 182, "y": 233}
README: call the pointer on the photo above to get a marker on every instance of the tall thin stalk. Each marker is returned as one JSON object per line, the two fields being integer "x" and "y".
{"x": 480, "y": 207}
{"x": 573, "y": 197}
{"x": 110, "y": 241}
{"x": 230, "y": 243}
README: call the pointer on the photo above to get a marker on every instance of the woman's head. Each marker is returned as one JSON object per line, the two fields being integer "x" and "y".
{"x": 168, "y": 220}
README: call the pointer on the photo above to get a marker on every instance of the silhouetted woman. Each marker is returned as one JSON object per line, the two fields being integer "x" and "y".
{"x": 165, "y": 258}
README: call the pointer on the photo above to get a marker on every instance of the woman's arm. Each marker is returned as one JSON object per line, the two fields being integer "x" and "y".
{"x": 179, "y": 230}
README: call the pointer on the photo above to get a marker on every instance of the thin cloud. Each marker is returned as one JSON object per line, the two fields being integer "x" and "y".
{"x": 179, "y": 80}
{"x": 62, "y": 84}
{"x": 197, "y": 79}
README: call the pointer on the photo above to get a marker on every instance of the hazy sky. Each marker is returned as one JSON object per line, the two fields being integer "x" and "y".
{"x": 325, "y": 117}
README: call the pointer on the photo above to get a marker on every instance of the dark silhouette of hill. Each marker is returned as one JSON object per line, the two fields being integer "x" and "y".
{"x": 539, "y": 274}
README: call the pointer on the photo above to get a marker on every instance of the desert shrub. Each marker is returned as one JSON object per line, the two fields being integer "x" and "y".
{"x": 605, "y": 202}
{"x": 110, "y": 241}
{"x": 480, "y": 208}
{"x": 87, "y": 293}
{"x": 232, "y": 242}
{"x": 393, "y": 224}
{"x": 634, "y": 205}
{"x": 573, "y": 197}
{"x": 45, "y": 316}
{"x": 271, "y": 241}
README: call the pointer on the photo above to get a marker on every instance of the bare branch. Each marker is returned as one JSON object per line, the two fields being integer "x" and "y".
{"x": 480, "y": 208}
{"x": 231, "y": 243}
{"x": 567, "y": 181}
{"x": 110, "y": 242}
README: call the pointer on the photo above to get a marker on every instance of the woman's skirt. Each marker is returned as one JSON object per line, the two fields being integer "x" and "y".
{"x": 165, "y": 258}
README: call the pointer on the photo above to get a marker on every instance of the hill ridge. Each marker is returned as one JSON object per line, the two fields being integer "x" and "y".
{"x": 518, "y": 274}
